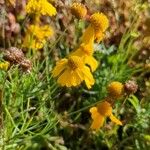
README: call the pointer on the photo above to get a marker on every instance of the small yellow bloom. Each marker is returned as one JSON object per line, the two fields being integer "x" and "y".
{"x": 72, "y": 71}
{"x": 85, "y": 51}
{"x": 4, "y": 65}
{"x": 99, "y": 23}
{"x": 99, "y": 113}
{"x": 115, "y": 89}
{"x": 40, "y": 7}
{"x": 36, "y": 36}
{"x": 78, "y": 10}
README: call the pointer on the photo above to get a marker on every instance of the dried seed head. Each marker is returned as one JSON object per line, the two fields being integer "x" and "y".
{"x": 26, "y": 65}
{"x": 115, "y": 89}
{"x": 78, "y": 10}
{"x": 16, "y": 56}
{"x": 13, "y": 55}
{"x": 130, "y": 87}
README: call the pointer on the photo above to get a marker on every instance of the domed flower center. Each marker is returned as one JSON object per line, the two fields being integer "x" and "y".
{"x": 99, "y": 21}
{"x": 78, "y": 10}
{"x": 104, "y": 109}
{"x": 75, "y": 62}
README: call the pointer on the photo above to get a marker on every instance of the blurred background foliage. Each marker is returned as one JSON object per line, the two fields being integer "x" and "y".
{"x": 37, "y": 114}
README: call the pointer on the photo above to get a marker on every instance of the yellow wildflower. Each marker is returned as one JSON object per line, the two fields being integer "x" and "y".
{"x": 4, "y": 65}
{"x": 86, "y": 49}
{"x": 115, "y": 89}
{"x": 99, "y": 21}
{"x": 99, "y": 113}
{"x": 78, "y": 10}
{"x": 40, "y": 7}
{"x": 99, "y": 24}
{"x": 72, "y": 71}
{"x": 37, "y": 35}
{"x": 85, "y": 52}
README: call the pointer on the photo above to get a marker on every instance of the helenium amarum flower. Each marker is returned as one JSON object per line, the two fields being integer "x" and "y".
{"x": 78, "y": 10}
{"x": 100, "y": 112}
{"x": 86, "y": 49}
{"x": 40, "y": 7}
{"x": 98, "y": 25}
{"x": 36, "y": 36}
{"x": 72, "y": 71}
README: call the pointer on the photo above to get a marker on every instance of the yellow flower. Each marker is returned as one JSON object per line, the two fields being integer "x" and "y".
{"x": 4, "y": 65}
{"x": 72, "y": 71}
{"x": 85, "y": 52}
{"x": 33, "y": 43}
{"x": 78, "y": 10}
{"x": 115, "y": 89}
{"x": 99, "y": 21}
{"x": 86, "y": 49}
{"x": 40, "y": 7}
{"x": 99, "y": 113}
{"x": 99, "y": 24}
{"x": 36, "y": 36}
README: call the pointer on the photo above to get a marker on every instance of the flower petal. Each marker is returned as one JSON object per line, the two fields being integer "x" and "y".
{"x": 98, "y": 119}
{"x": 60, "y": 66}
{"x": 88, "y": 77}
{"x": 88, "y": 35}
{"x": 92, "y": 62}
{"x": 115, "y": 120}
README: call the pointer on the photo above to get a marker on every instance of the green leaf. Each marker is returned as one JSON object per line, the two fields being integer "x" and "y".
{"x": 135, "y": 102}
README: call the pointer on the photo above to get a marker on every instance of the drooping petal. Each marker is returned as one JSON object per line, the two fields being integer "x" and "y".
{"x": 60, "y": 66}
{"x": 88, "y": 35}
{"x": 98, "y": 119}
{"x": 99, "y": 35}
{"x": 64, "y": 79}
{"x": 115, "y": 120}
{"x": 88, "y": 77}
{"x": 92, "y": 62}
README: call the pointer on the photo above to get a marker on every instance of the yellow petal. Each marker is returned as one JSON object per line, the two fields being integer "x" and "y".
{"x": 92, "y": 62}
{"x": 63, "y": 80}
{"x": 88, "y": 77}
{"x": 48, "y": 9}
{"x": 99, "y": 35}
{"x": 88, "y": 35}
{"x": 98, "y": 119}
{"x": 115, "y": 120}
{"x": 60, "y": 66}
{"x": 78, "y": 52}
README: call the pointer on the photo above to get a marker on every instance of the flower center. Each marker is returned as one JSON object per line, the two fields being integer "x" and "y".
{"x": 104, "y": 108}
{"x": 72, "y": 64}
{"x": 75, "y": 62}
